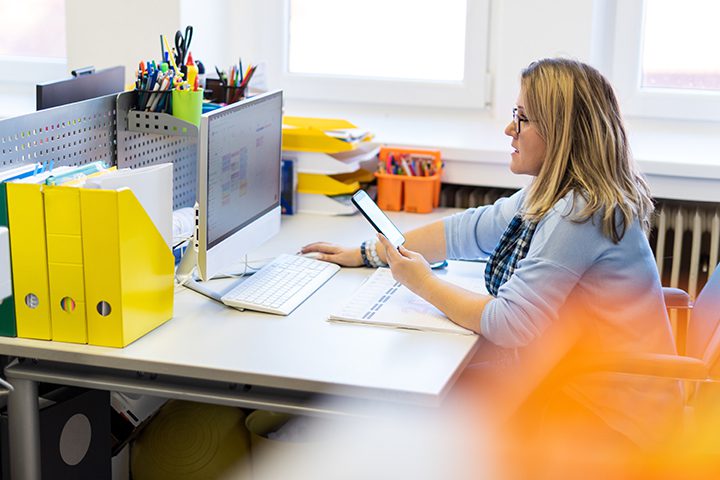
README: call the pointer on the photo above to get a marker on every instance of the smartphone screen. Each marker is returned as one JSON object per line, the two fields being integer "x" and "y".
{"x": 377, "y": 218}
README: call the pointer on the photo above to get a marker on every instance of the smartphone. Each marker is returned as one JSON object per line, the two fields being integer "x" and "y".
{"x": 377, "y": 218}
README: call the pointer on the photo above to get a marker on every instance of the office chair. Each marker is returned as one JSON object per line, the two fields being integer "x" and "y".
{"x": 698, "y": 368}
{"x": 692, "y": 447}
{"x": 701, "y": 347}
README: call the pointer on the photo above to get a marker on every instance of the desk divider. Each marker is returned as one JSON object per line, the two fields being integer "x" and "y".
{"x": 119, "y": 242}
{"x": 140, "y": 146}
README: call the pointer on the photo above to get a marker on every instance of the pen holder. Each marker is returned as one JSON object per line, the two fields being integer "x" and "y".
{"x": 187, "y": 105}
{"x": 234, "y": 94}
{"x": 153, "y": 101}
{"x": 218, "y": 92}
{"x": 412, "y": 193}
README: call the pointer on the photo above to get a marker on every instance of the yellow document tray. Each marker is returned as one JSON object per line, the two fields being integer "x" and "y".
{"x": 307, "y": 134}
{"x": 326, "y": 184}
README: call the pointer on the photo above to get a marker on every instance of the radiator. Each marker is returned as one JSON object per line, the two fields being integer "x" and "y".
{"x": 685, "y": 237}
{"x": 686, "y": 240}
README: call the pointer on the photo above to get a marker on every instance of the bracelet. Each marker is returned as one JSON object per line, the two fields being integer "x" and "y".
{"x": 372, "y": 255}
{"x": 363, "y": 254}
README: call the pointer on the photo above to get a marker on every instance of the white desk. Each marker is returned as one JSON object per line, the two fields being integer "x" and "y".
{"x": 214, "y": 354}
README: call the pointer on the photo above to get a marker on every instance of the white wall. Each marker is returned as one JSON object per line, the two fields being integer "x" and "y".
{"x": 212, "y": 28}
{"x": 104, "y": 33}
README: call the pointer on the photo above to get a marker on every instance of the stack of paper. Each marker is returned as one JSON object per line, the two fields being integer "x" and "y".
{"x": 383, "y": 301}
{"x": 152, "y": 186}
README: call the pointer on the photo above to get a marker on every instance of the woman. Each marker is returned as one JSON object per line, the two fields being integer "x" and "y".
{"x": 569, "y": 250}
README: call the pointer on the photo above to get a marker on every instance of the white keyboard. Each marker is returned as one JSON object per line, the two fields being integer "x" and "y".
{"x": 281, "y": 285}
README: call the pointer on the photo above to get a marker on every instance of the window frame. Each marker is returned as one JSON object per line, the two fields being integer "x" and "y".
{"x": 627, "y": 72}
{"x": 472, "y": 92}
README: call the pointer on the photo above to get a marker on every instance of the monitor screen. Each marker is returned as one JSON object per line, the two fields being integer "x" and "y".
{"x": 239, "y": 173}
{"x": 83, "y": 87}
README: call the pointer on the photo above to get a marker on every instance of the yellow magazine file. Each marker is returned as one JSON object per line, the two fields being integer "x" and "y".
{"x": 128, "y": 268}
{"x": 65, "y": 264}
{"x": 306, "y": 134}
{"x": 26, "y": 215}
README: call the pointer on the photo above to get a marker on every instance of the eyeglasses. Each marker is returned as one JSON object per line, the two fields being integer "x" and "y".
{"x": 517, "y": 120}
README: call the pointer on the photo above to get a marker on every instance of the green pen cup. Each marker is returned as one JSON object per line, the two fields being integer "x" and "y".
{"x": 187, "y": 105}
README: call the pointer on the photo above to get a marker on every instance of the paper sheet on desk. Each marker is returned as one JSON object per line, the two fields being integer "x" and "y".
{"x": 382, "y": 301}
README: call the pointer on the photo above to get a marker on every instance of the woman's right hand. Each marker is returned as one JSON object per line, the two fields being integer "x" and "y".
{"x": 330, "y": 252}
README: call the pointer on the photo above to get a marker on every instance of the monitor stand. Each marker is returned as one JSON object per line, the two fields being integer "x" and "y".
{"x": 185, "y": 276}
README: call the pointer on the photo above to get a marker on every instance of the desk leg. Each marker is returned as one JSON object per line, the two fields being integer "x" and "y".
{"x": 24, "y": 430}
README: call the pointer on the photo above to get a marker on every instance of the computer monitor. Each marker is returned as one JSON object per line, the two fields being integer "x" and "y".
{"x": 239, "y": 181}
{"x": 85, "y": 85}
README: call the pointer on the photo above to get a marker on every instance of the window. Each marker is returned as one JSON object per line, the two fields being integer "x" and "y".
{"x": 397, "y": 39}
{"x": 414, "y": 52}
{"x": 32, "y": 40}
{"x": 665, "y": 58}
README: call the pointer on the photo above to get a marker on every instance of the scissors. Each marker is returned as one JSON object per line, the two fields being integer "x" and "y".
{"x": 182, "y": 44}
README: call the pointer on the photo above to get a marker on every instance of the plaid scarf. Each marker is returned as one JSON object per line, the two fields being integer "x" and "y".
{"x": 512, "y": 247}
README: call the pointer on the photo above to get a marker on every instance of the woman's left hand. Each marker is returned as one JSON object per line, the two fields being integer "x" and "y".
{"x": 408, "y": 267}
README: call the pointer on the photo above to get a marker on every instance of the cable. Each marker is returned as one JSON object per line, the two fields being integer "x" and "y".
{"x": 7, "y": 386}
{"x": 247, "y": 268}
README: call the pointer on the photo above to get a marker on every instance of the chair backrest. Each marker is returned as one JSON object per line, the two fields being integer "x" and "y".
{"x": 703, "y": 339}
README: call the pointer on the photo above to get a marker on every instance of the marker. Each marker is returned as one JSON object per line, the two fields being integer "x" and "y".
{"x": 201, "y": 73}
{"x": 192, "y": 70}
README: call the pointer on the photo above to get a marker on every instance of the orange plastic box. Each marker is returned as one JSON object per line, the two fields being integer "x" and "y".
{"x": 416, "y": 194}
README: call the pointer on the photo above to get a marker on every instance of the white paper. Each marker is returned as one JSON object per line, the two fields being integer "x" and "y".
{"x": 152, "y": 186}
{"x": 383, "y": 301}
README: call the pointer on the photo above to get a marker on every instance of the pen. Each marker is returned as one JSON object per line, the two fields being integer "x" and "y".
{"x": 157, "y": 101}
{"x": 172, "y": 58}
{"x": 164, "y": 102}
{"x": 154, "y": 97}
{"x": 406, "y": 167}
{"x": 221, "y": 75}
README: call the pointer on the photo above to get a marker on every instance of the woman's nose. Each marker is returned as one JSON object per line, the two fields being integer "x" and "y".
{"x": 510, "y": 130}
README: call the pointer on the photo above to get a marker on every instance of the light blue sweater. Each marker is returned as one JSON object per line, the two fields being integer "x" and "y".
{"x": 611, "y": 291}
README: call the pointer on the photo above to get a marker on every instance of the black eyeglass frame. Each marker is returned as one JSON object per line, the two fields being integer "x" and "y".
{"x": 517, "y": 120}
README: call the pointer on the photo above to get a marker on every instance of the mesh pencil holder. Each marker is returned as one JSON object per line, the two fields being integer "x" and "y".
{"x": 159, "y": 101}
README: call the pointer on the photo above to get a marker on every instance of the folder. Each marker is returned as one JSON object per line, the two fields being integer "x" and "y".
{"x": 65, "y": 264}
{"x": 7, "y": 305}
{"x": 8, "y": 327}
{"x": 307, "y": 134}
{"x": 26, "y": 215}
{"x": 128, "y": 268}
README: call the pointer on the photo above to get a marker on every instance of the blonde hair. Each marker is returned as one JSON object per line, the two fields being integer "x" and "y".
{"x": 575, "y": 111}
